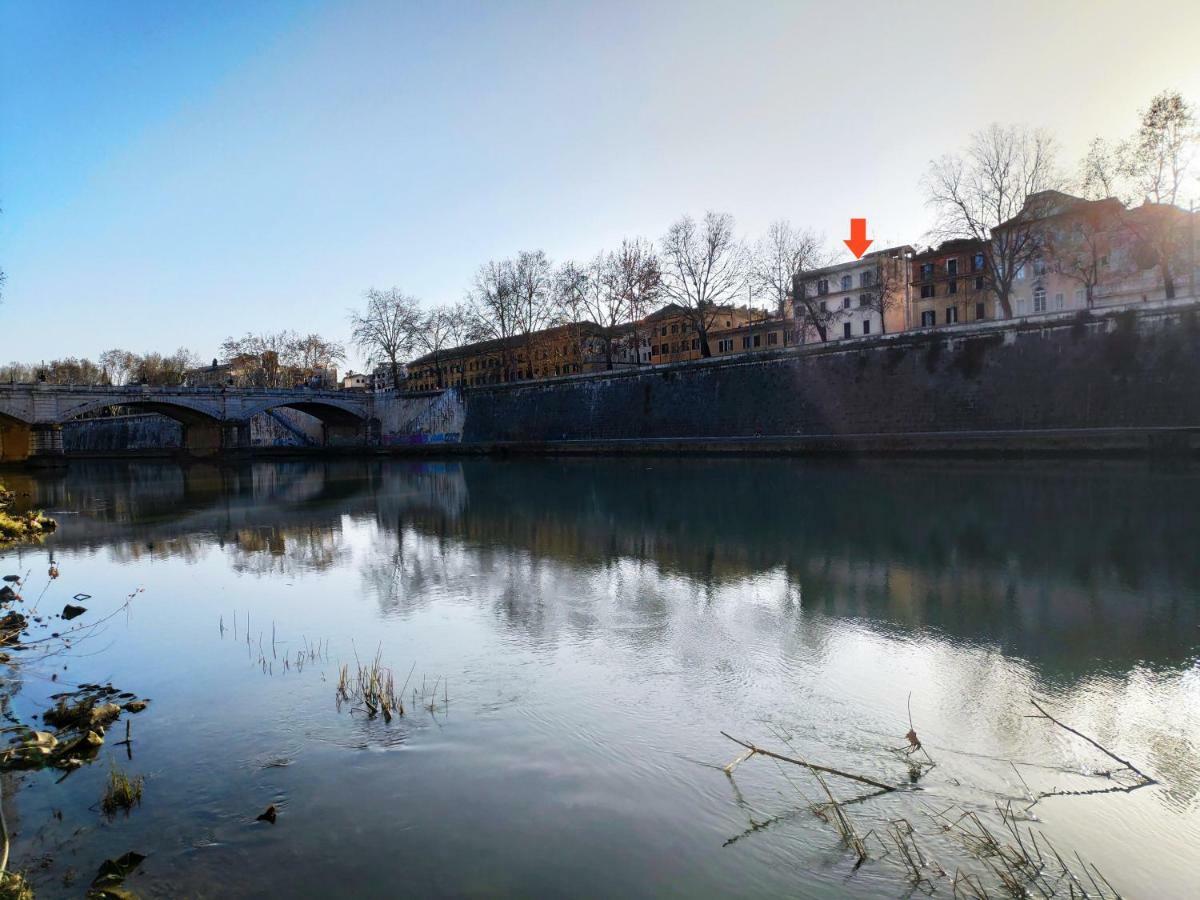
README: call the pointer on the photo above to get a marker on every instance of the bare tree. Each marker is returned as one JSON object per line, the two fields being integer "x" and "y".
{"x": 534, "y": 294}
{"x": 993, "y": 193}
{"x": 703, "y": 268}
{"x": 493, "y": 313}
{"x": 1153, "y": 166}
{"x": 442, "y": 328}
{"x": 782, "y": 254}
{"x": 386, "y": 330}
{"x": 632, "y": 273}
{"x": 313, "y": 356}
{"x": 1157, "y": 161}
{"x": 593, "y": 294}
{"x": 120, "y": 365}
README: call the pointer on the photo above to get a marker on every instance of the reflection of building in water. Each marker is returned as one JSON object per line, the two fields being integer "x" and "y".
{"x": 994, "y": 554}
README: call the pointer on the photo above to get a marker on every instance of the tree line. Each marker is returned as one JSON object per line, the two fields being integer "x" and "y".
{"x": 988, "y": 192}
{"x": 269, "y": 359}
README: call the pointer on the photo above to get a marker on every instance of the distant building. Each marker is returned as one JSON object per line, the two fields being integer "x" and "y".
{"x": 673, "y": 336}
{"x": 861, "y": 297}
{"x": 238, "y": 372}
{"x": 356, "y": 381}
{"x": 1099, "y": 253}
{"x": 948, "y": 285}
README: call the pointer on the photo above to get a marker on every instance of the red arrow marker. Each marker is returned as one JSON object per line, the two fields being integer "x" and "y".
{"x": 858, "y": 242}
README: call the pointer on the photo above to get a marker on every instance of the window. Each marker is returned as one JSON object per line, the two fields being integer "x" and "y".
{"x": 1020, "y": 306}
{"x": 845, "y": 329}
{"x": 980, "y": 312}
{"x": 675, "y": 328}
{"x": 866, "y": 326}
{"x": 928, "y": 318}
{"x": 823, "y": 286}
{"x": 953, "y": 289}
{"x": 773, "y": 338}
{"x": 846, "y": 300}
{"x": 654, "y": 350}
{"x": 847, "y": 282}
{"x": 695, "y": 343}
{"x": 725, "y": 345}
{"x": 864, "y": 300}
{"x": 1021, "y": 272}
{"x": 758, "y": 340}
{"x": 1058, "y": 301}
{"x": 746, "y": 342}
{"x": 1081, "y": 297}
{"x": 951, "y": 315}
{"x": 977, "y": 263}
{"x": 663, "y": 333}
{"x": 866, "y": 279}
{"x": 926, "y": 271}
{"x": 979, "y": 283}
{"x": 952, "y": 267}
{"x": 1039, "y": 267}
{"x": 927, "y": 291}
{"x": 1039, "y": 300}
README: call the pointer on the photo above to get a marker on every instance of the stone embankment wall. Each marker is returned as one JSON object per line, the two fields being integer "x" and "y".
{"x": 1118, "y": 374}
{"x": 1113, "y": 380}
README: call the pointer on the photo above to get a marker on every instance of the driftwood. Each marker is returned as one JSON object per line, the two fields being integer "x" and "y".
{"x": 752, "y": 750}
{"x": 1146, "y": 779}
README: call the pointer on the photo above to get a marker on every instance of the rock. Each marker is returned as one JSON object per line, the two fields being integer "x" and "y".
{"x": 12, "y": 578}
{"x": 268, "y": 815}
{"x": 43, "y": 739}
{"x": 134, "y": 706}
{"x": 7, "y": 594}
{"x": 71, "y": 611}
{"x": 93, "y": 740}
{"x": 105, "y": 714}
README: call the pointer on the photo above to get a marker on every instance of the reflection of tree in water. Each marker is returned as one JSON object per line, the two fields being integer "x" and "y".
{"x": 275, "y": 551}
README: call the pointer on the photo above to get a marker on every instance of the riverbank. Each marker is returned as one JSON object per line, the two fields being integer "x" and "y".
{"x": 600, "y": 623}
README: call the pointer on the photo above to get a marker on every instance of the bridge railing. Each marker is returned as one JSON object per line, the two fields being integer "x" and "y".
{"x": 138, "y": 389}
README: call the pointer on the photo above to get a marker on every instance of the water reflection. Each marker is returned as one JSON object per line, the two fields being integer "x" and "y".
{"x": 1077, "y": 568}
{"x": 601, "y": 622}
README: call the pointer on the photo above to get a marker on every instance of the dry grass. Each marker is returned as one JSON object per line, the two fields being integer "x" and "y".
{"x": 373, "y": 686}
{"x": 122, "y": 792}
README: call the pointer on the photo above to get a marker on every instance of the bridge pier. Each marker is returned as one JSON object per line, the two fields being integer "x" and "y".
{"x": 344, "y": 435}
{"x": 235, "y": 435}
{"x": 46, "y": 445}
{"x": 14, "y": 441}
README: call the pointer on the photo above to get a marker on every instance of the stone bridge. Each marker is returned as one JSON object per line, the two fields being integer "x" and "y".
{"x": 213, "y": 419}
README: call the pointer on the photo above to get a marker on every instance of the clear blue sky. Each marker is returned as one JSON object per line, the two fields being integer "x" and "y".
{"x": 172, "y": 173}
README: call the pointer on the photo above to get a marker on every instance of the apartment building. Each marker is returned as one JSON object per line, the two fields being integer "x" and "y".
{"x": 851, "y": 299}
{"x": 948, "y": 285}
{"x": 673, "y": 335}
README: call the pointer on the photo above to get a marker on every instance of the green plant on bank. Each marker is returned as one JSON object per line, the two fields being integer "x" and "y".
{"x": 122, "y": 792}
{"x": 25, "y": 526}
{"x": 13, "y": 886}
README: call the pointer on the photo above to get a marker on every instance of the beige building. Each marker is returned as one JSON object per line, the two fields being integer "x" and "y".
{"x": 851, "y": 299}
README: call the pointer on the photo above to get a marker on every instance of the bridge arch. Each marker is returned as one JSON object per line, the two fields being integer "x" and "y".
{"x": 187, "y": 410}
{"x": 329, "y": 410}
{"x": 341, "y": 422}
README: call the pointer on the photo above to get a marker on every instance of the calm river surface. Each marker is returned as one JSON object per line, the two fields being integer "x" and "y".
{"x": 595, "y": 625}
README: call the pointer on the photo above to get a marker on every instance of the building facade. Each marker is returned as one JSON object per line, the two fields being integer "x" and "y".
{"x": 851, "y": 299}
{"x": 948, "y": 285}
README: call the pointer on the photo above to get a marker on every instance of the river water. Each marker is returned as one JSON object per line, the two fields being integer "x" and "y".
{"x": 592, "y": 627}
